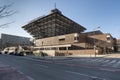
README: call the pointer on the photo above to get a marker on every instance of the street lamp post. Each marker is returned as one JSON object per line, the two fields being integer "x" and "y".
{"x": 95, "y": 50}
{"x": 94, "y": 42}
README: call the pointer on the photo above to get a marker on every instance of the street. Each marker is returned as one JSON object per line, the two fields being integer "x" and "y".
{"x": 69, "y": 69}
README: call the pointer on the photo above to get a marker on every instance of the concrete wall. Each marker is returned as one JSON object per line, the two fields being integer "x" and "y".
{"x": 57, "y": 40}
{"x": 49, "y": 52}
{"x": 66, "y": 53}
{"x": 77, "y": 52}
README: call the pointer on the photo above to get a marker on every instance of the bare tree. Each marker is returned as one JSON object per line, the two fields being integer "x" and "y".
{"x": 5, "y": 12}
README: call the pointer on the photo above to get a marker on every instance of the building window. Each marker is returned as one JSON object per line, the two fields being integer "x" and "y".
{"x": 62, "y": 48}
{"x": 76, "y": 38}
{"x": 62, "y": 39}
{"x": 108, "y": 38}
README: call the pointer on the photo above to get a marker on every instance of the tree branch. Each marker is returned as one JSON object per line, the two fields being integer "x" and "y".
{"x": 3, "y": 25}
{"x": 4, "y": 11}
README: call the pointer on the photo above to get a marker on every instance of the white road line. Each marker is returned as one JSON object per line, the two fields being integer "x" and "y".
{"x": 100, "y": 60}
{"x": 105, "y": 61}
{"x": 36, "y": 60}
{"x": 111, "y": 70}
{"x": 40, "y": 64}
{"x": 92, "y": 60}
{"x": 43, "y": 66}
{"x": 22, "y": 73}
{"x": 110, "y": 63}
{"x": 13, "y": 68}
{"x": 113, "y": 61}
{"x": 30, "y": 78}
{"x": 86, "y": 75}
{"x": 116, "y": 64}
{"x": 96, "y": 60}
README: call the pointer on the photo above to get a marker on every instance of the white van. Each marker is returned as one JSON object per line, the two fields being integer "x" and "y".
{"x": 9, "y": 50}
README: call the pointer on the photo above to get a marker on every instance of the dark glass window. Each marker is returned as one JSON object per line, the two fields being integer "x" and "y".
{"x": 108, "y": 38}
{"x": 62, "y": 39}
{"x": 76, "y": 38}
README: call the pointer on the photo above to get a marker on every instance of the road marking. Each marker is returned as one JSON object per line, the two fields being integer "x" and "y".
{"x": 20, "y": 72}
{"x": 117, "y": 64}
{"x": 44, "y": 66}
{"x": 91, "y": 60}
{"x": 110, "y": 63}
{"x": 30, "y": 78}
{"x": 113, "y": 61}
{"x": 105, "y": 69}
{"x": 47, "y": 61}
{"x": 86, "y": 75}
{"x": 95, "y": 60}
{"x": 38, "y": 61}
{"x": 105, "y": 61}
{"x": 100, "y": 60}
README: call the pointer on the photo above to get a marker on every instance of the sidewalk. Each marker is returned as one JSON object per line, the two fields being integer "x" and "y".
{"x": 9, "y": 73}
{"x": 114, "y": 55}
{"x": 64, "y": 57}
{"x": 87, "y": 56}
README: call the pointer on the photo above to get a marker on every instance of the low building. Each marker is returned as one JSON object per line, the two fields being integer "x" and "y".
{"x": 77, "y": 43}
{"x": 7, "y": 40}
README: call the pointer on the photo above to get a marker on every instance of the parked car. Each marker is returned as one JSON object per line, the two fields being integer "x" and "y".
{"x": 5, "y": 51}
{"x": 19, "y": 51}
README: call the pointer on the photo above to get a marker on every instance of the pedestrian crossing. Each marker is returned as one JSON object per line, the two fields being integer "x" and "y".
{"x": 111, "y": 63}
{"x": 117, "y": 64}
{"x": 101, "y": 61}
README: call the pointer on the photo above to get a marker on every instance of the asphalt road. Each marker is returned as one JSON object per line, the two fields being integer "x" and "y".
{"x": 39, "y": 69}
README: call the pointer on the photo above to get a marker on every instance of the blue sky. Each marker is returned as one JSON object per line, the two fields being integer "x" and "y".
{"x": 88, "y": 13}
